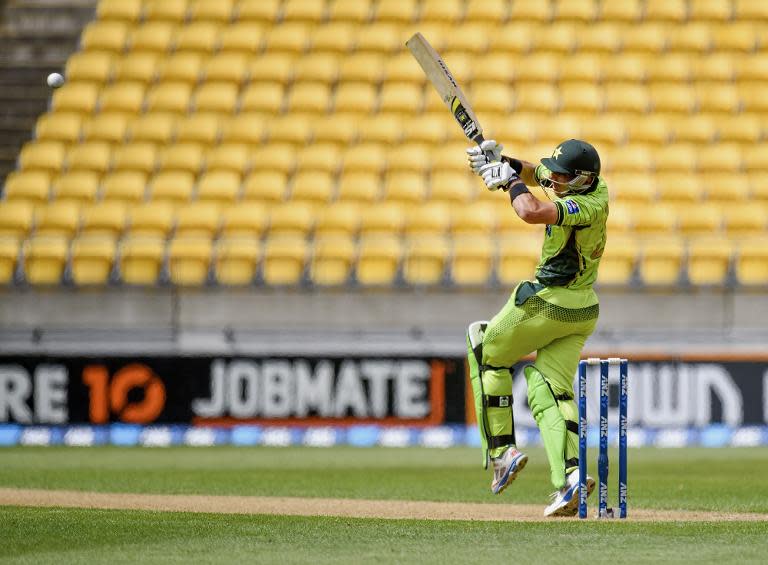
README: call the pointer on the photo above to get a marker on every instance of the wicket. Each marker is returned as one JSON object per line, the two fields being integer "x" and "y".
{"x": 602, "y": 460}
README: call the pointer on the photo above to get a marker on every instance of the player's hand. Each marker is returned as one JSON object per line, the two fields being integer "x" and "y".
{"x": 478, "y": 155}
{"x": 497, "y": 175}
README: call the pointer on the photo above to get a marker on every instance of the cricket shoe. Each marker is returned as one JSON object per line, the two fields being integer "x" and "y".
{"x": 506, "y": 468}
{"x": 565, "y": 502}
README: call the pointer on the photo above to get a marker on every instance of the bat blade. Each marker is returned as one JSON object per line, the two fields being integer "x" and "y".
{"x": 446, "y": 86}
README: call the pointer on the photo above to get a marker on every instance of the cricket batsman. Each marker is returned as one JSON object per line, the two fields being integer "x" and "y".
{"x": 553, "y": 314}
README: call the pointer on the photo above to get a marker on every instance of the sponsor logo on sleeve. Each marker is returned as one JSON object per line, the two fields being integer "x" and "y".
{"x": 572, "y": 207}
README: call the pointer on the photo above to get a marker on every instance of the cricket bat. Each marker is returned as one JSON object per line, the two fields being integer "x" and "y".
{"x": 441, "y": 78}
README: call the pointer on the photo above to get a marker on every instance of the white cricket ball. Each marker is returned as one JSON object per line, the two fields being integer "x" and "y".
{"x": 55, "y": 80}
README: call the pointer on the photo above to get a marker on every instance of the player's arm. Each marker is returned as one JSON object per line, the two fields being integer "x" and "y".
{"x": 530, "y": 209}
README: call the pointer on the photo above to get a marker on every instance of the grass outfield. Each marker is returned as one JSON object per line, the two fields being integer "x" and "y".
{"x": 727, "y": 480}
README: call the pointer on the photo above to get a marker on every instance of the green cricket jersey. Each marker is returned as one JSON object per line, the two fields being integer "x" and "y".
{"x": 573, "y": 246}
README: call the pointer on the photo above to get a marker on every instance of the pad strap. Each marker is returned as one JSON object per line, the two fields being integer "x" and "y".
{"x": 572, "y": 426}
{"x": 501, "y": 441}
{"x": 498, "y": 401}
{"x": 572, "y": 462}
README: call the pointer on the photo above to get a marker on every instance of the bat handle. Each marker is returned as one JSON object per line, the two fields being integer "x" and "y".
{"x": 488, "y": 154}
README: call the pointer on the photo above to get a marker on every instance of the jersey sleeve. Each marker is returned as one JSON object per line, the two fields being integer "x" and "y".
{"x": 581, "y": 209}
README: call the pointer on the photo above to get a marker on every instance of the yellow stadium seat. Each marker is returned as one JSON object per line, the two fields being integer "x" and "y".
{"x": 676, "y": 157}
{"x": 332, "y": 260}
{"x": 124, "y": 186}
{"x": 245, "y": 220}
{"x": 538, "y": 12}
{"x": 77, "y": 186}
{"x": 709, "y": 260}
{"x": 236, "y": 260}
{"x": 718, "y": 98}
{"x": 181, "y": 68}
{"x": 172, "y": 186}
{"x": 379, "y": 260}
{"x": 742, "y": 220}
{"x": 604, "y": 129}
{"x": 9, "y": 255}
{"x": 666, "y": 10}
{"x": 201, "y": 128}
{"x": 649, "y": 38}
{"x": 198, "y": 37}
{"x": 227, "y": 68}
{"x": 624, "y": 11}
{"x": 90, "y": 156}
{"x": 185, "y": 157}
{"x": 31, "y": 186}
{"x": 153, "y": 35}
{"x": 406, "y": 187}
{"x": 661, "y": 261}
{"x": 339, "y": 218}
{"x": 354, "y": 11}
{"x": 291, "y": 219}
{"x": 656, "y": 130}
{"x": 221, "y": 187}
{"x": 275, "y": 157}
{"x": 724, "y": 157}
{"x": 750, "y": 10}
{"x": 739, "y": 38}
{"x": 427, "y": 128}
{"x": 620, "y": 218}
{"x": 230, "y": 157}
{"x": 44, "y": 259}
{"x": 655, "y": 219}
{"x": 336, "y": 130}
{"x": 320, "y": 157}
{"x": 258, "y": 10}
{"x": 518, "y": 257}
{"x": 317, "y": 68}
{"x": 140, "y": 157}
{"x": 267, "y": 97}
{"x": 582, "y": 11}
{"x": 487, "y": 10}
{"x": 561, "y": 38}
{"x": 266, "y": 186}
{"x": 111, "y": 128}
{"x": 402, "y": 11}
{"x": 412, "y": 157}
{"x": 242, "y": 37}
{"x": 59, "y": 126}
{"x": 677, "y": 69}
{"x": 141, "y": 260}
{"x": 384, "y": 38}
{"x": 585, "y": 68}
{"x": 189, "y": 260}
{"x": 154, "y": 219}
{"x": 624, "y": 68}
{"x": 92, "y": 260}
{"x": 694, "y": 37}
{"x": 104, "y": 36}
{"x": 517, "y": 43}
{"x": 447, "y": 11}
{"x": 475, "y": 219}
{"x": 704, "y": 219}
{"x": 472, "y": 260}
{"x": 712, "y": 10}
{"x": 218, "y": 97}
{"x": 500, "y": 69}
{"x": 473, "y": 40}
{"x": 166, "y": 10}
{"x": 169, "y": 97}
{"x": 492, "y": 97}
{"x": 355, "y": 97}
{"x": 582, "y": 98}
{"x": 212, "y": 10}
{"x": 538, "y": 68}
{"x": 425, "y": 260}
{"x": 430, "y": 218}
{"x": 695, "y": 128}
{"x": 274, "y": 67}
{"x": 385, "y": 218}
{"x": 104, "y": 219}
{"x": 682, "y": 187}
{"x": 619, "y": 261}
{"x": 77, "y": 97}
{"x": 632, "y": 187}
{"x": 742, "y": 128}
{"x": 726, "y": 187}
{"x": 311, "y": 11}
{"x": 289, "y": 37}
{"x": 58, "y": 219}
{"x": 284, "y": 259}
{"x": 360, "y": 186}
{"x": 673, "y": 98}
{"x": 120, "y": 10}
{"x": 294, "y": 129}
{"x": 125, "y": 97}
{"x": 401, "y": 97}
{"x": 555, "y": 129}
{"x": 363, "y": 67}
{"x": 16, "y": 219}
{"x": 153, "y": 127}
{"x": 368, "y": 157}
{"x": 381, "y": 128}
{"x": 311, "y": 97}
{"x": 87, "y": 69}
{"x": 450, "y": 186}
{"x": 714, "y": 68}
{"x": 449, "y": 157}
{"x": 336, "y": 37}
{"x": 540, "y": 98}
{"x": 315, "y": 187}
{"x": 751, "y": 263}
{"x": 756, "y": 158}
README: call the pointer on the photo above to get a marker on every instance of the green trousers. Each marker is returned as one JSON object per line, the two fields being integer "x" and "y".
{"x": 555, "y": 323}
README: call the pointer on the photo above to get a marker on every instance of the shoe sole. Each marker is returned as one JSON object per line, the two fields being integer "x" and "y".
{"x": 519, "y": 466}
{"x": 572, "y": 507}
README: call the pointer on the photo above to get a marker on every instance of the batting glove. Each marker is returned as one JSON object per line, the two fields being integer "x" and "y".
{"x": 480, "y": 155}
{"x": 497, "y": 175}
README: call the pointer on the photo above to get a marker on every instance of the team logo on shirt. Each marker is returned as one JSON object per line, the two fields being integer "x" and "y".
{"x": 572, "y": 207}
